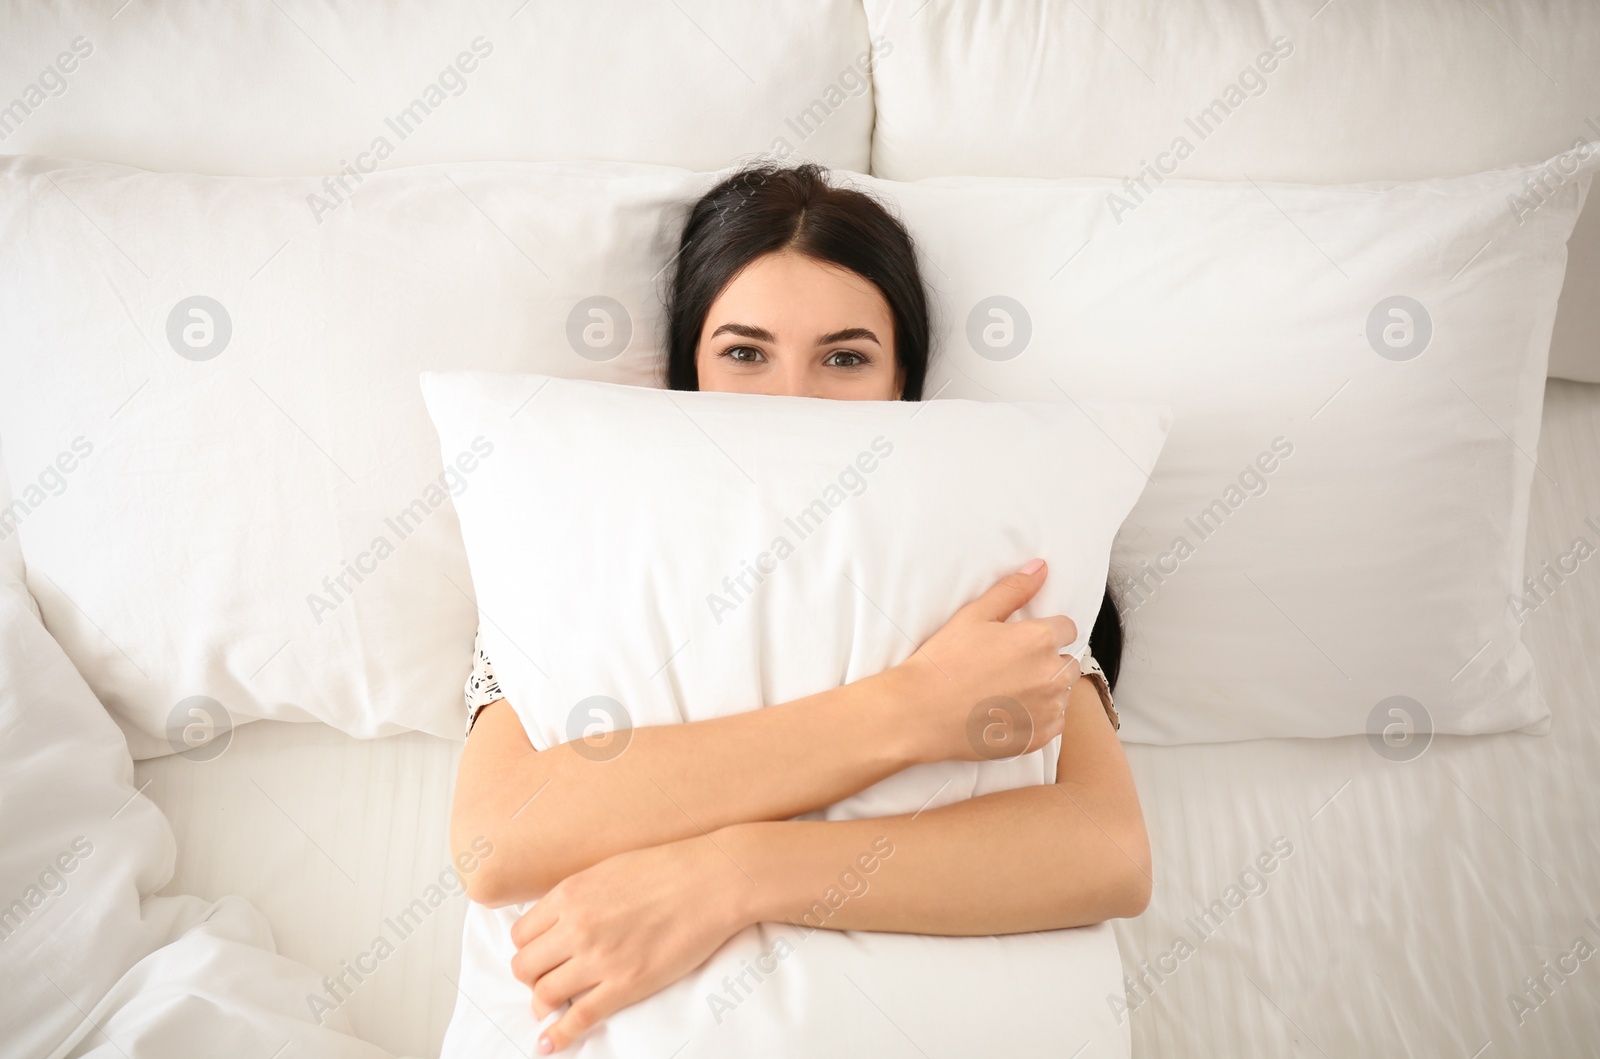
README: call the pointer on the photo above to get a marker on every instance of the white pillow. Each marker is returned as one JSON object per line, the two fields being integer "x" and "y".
{"x": 227, "y": 520}
{"x": 343, "y": 86}
{"x": 1356, "y": 375}
{"x": 612, "y": 514}
{"x": 1257, "y": 87}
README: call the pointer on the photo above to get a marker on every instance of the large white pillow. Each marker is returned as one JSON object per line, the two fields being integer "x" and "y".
{"x": 1220, "y": 89}
{"x": 343, "y": 87}
{"x": 228, "y": 486}
{"x": 1334, "y": 536}
{"x": 611, "y": 515}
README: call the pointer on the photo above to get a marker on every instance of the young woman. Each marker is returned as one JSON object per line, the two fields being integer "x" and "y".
{"x": 644, "y": 864}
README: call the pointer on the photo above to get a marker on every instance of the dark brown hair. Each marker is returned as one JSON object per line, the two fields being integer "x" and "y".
{"x": 766, "y": 207}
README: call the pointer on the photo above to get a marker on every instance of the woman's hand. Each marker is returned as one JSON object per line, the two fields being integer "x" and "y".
{"x": 624, "y": 929}
{"x": 984, "y": 688}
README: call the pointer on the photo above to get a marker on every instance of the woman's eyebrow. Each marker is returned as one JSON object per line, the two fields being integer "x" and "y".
{"x": 847, "y": 334}
{"x": 760, "y": 334}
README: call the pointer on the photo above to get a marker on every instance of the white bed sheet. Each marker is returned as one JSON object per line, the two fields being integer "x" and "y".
{"x": 331, "y": 838}
{"x": 1415, "y": 900}
{"x": 1419, "y": 894}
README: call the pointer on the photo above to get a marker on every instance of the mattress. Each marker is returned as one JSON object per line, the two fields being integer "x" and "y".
{"x": 1311, "y": 896}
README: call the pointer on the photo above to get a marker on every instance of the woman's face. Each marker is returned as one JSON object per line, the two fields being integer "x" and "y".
{"x": 794, "y": 326}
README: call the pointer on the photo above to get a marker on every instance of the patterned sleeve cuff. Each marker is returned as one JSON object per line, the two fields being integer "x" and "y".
{"x": 1092, "y": 670}
{"x": 481, "y": 688}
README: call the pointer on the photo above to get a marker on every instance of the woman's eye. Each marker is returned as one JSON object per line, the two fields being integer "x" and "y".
{"x": 856, "y": 362}
{"x": 732, "y": 352}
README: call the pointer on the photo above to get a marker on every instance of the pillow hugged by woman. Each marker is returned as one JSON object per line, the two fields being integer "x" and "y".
{"x": 786, "y": 284}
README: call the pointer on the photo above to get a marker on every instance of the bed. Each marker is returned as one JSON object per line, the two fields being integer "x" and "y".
{"x": 1415, "y": 900}
{"x": 1312, "y": 896}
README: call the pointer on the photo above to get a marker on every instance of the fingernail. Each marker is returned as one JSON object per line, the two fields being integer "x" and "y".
{"x": 1032, "y": 566}
{"x": 545, "y": 1046}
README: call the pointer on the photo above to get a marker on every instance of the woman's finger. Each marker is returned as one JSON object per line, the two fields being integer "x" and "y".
{"x": 1065, "y": 628}
{"x": 541, "y": 955}
{"x": 1069, "y": 672}
{"x": 536, "y": 920}
{"x": 559, "y": 985}
{"x": 585, "y": 1013}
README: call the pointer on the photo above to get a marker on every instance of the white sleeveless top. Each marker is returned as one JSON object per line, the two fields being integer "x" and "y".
{"x": 483, "y": 689}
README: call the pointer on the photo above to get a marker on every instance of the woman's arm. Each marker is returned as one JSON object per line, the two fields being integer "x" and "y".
{"x": 549, "y": 814}
{"x": 1037, "y": 858}
{"x": 554, "y": 812}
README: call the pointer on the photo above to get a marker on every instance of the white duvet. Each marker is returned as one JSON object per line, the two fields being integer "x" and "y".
{"x": 92, "y": 962}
